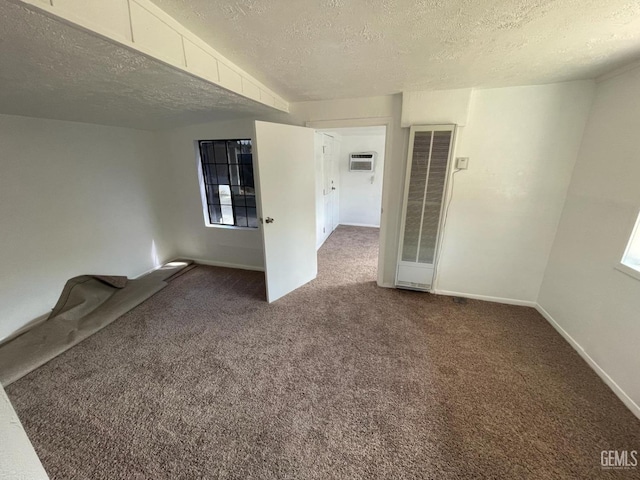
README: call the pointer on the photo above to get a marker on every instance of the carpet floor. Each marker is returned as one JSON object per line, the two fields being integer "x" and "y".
{"x": 339, "y": 380}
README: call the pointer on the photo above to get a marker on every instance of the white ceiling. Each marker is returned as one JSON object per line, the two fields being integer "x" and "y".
{"x": 51, "y": 70}
{"x": 322, "y": 49}
{"x": 307, "y": 51}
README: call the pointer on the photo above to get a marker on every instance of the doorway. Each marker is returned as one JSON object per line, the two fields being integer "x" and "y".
{"x": 290, "y": 232}
{"x": 349, "y": 174}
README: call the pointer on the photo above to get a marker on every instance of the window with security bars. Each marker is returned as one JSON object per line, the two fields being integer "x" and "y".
{"x": 227, "y": 171}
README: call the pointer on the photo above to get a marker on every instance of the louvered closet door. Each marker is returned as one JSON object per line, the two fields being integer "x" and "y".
{"x": 428, "y": 164}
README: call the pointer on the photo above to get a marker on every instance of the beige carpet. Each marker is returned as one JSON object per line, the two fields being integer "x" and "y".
{"x": 340, "y": 379}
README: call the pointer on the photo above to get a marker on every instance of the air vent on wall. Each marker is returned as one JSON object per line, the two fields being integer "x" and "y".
{"x": 413, "y": 285}
{"x": 362, "y": 161}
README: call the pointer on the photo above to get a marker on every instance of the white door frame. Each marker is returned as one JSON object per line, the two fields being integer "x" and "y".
{"x": 386, "y": 122}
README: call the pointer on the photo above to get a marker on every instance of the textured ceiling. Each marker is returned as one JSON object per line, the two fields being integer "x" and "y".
{"x": 51, "y": 70}
{"x": 321, "y": 49}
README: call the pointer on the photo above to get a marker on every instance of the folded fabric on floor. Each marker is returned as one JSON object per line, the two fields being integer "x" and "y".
{"x": 82, "y": 295}
{"x": 87, "y": 304}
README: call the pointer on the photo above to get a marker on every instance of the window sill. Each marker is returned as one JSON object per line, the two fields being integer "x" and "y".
{"x": 232, "y": 227}
{"x": 627, "y": 270}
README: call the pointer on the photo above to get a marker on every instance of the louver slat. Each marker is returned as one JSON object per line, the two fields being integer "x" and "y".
{"x": 433, "y": 198}
{"x": 417, "y": 183}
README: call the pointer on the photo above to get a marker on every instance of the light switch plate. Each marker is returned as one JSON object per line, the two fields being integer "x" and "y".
{"x": 462, "y": 163}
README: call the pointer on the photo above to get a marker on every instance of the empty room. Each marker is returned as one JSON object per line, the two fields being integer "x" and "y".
{"x": 319, "y": 239}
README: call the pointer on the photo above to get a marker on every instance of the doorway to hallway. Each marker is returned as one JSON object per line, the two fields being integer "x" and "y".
{"x": 349, "y": 178}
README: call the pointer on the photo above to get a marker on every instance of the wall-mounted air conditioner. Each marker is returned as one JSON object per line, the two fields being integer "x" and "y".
{"x": 362, "y": 161}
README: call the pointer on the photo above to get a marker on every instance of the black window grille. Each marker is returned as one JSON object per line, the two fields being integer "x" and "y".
{"x": 227, "y": 169}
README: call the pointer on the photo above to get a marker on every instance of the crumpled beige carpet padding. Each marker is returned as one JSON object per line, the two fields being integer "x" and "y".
{"x": 85, "y": 293}
{"x": 338, "y": 380}
{"x": 87, "y": 304}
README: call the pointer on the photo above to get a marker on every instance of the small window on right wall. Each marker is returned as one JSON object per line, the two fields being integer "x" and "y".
{"x": 631, "y": 258}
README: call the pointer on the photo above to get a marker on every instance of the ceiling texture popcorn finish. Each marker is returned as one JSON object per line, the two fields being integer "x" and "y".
{"x": 301, "y": 50}
{"x": 323, "y": 49}
{"x": 53, "y": 70}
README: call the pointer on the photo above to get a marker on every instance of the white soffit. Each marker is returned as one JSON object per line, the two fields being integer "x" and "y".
{"x": 52, "y": 69}
{"x": 141, "y": 25}
{"x": 324, "y": 49}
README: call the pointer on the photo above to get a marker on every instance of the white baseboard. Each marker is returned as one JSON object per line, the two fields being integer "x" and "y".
{"x": 486, "y": 298}
{"x": 321, "y": 243}
{"x": 620, "y": 393}
{"x": 171, "y": 258}
{"x": 225, "y": 264}
{"x": 152, "y": 269}
{"x": 359, "y": 225}
{"x": 631, "y": 405}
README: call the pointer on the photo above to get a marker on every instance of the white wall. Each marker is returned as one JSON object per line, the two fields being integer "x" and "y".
{"x": 74, "y": 199}
{"x": 436, "y": 107}
{"x": 18, "y": 459}
{"x": 216, "y": 245}
{"x": 361, "y": 192}
{"x": 522, "y": 143}
{"x": 598, "y": 306}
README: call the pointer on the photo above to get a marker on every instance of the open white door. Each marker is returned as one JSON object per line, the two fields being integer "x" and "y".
{"x": 285, "y": 167}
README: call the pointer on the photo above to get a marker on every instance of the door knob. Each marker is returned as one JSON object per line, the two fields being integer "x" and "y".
{"x": 268, "y": 220}
{"x": 333, "y": 188}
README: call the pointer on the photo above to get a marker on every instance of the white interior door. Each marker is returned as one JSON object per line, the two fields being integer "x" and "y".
{"x": 328, "y": 216}
{"x": 330, "y": 189}
{"x": 320, "y": 216}
{"x": 335, "y": 184}
{"x": 284, "y": 162}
